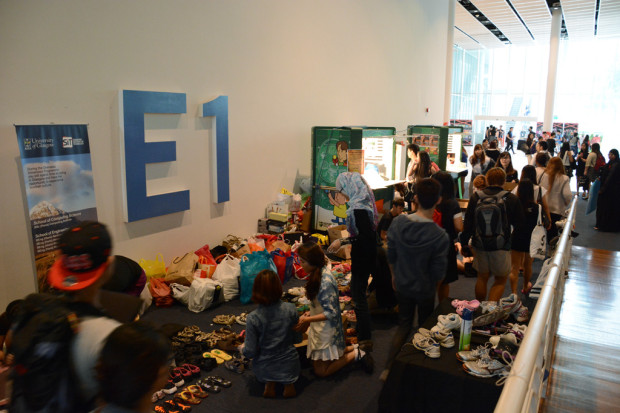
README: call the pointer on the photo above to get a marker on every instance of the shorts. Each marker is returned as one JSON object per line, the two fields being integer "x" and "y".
{"x": 496, "y": 263}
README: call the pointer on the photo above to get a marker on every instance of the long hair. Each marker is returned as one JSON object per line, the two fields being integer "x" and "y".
{"x": 313, "y": 255}
{"x": 565, "y": 148}
{"x": 474, "y": 159}
{"x": 529, "y": 172}
{"x": 424, "y": 166}
{"x": 447, "y": 185}
{"x": 554, "y": 168}
{"x": 525, "y": 192}
{"x": 510, "y": 169}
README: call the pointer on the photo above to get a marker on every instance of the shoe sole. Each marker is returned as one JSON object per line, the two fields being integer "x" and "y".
{"x": 484, "y": 376}
{"x": 426, "y": 352}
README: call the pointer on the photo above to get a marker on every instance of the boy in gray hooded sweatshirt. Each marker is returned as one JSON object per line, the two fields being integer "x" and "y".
{"x": 418, "y": 257}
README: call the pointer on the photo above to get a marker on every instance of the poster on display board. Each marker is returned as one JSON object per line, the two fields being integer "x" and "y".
{"x": 467, "y": 127}
{"x": 58, "y": 181}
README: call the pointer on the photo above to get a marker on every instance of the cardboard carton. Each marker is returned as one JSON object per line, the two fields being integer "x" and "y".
{"x": 337, "y": 232}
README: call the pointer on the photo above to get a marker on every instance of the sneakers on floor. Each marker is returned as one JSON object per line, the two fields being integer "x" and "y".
{"x": 428, "y": 345}
{"x": 451, "y": 321}
{"x": 472, "y": 355}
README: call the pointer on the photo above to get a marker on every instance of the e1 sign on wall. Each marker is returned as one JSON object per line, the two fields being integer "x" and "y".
{"x": 136, "y": 152}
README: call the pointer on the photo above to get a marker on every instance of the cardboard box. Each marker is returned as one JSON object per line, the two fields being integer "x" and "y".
{"x": 277, "y": 216}
{"x": 345, "y": 252}
{"x": 337, "y": 232}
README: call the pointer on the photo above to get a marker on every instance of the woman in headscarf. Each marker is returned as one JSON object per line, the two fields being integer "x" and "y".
{"x": 607, "y": 218}
{"x": 361, "y": 222}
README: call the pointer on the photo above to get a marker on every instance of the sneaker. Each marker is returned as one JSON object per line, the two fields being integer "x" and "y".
{"x": 509, "y": 337}
{"x": 491, "y": 312}
{"x": 522, "y": 314}
{"x": 368, "y": 363}
{"x": 485, "y": 367}
{"x": 472, "y": 355}
{"x": 443, "y": 337}
{"x": 518, "y": 329}
{"x": 451, "y": 321}
{"x": 460, "y": 305}
{"x": 425, "y": 343}
{"x": 170, "y": 388}
{"x": 510, "y": 304}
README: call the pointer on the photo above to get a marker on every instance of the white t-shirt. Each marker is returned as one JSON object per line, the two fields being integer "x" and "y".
{"x": 86, "y": 348}
{"x": 560, "y": 195}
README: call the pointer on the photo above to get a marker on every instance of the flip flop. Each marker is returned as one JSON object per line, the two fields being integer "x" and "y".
{"x": 221, "y": 354}
{"x": 224, "y": 319}
{"x": 208, "y": 355}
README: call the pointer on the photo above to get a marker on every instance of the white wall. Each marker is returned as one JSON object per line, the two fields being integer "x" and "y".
{"x": 285, "y": 65}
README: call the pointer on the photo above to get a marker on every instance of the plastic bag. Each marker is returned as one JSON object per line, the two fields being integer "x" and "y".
{"x": 251, "y": 265}
{"x": 206, "y": 260}
{"x": 162, "y": 296}
{"x": 284, "y": 263}
{"x": 593, "y": 196}
{"x": 180, "y": 292}
{"x": 154, "y": 268}
{"x": 227, "y": 272}
{"x": 204, "y": 293}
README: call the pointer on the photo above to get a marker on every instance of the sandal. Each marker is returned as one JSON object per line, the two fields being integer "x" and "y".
{"x": 197, "y": 391}
{"x": 187, "y": 396}
{"x": 241, "y": 319}
{"x": 209, "y": 386}
{"x": 209, "y": 355}
{"x": 195, "y": 370}
{"x": 158, "y": 395}
{"x": 177, "y": 405}
{"x": 235, "y": 365}
{"x": 220, "y": 381}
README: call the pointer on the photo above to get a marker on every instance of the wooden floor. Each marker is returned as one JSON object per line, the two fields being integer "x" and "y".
{"x": 585, "y": 376}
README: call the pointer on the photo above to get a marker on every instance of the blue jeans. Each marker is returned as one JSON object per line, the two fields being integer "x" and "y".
{"x": 406, "y": 312}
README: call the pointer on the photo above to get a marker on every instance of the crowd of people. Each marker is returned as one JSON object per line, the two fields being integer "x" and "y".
{"x": 119, "y": 366}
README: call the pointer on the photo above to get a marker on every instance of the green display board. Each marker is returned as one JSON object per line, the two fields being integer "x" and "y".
{"x": 329, "y": 159}
{"x": 434, "y": 140}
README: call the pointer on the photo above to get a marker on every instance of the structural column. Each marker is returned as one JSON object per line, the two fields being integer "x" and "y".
{"x": 449, "y": 57}
{"x": 552, "y": 67}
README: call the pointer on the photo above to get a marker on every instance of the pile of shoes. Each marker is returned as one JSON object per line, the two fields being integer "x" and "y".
{"x": 430, "y": 341}
{"x": 491, "y": 311}
{"x": 495, "y": 357}
{"x": 186, "y": 394}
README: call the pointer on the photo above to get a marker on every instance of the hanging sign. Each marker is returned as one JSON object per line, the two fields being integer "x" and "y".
{"x": 58, "y": 181}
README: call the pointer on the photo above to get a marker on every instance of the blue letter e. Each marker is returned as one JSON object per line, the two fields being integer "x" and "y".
{"x": 138, "y": 153}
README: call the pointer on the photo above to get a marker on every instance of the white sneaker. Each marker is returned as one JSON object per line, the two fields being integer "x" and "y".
{"x": 518, "y": 329}
{"x": 510, "y": 337}
{"x": 472, "y": 355}
{"x": 443, "y": 337}
{"x": 510, "y": 304}
{"x": 485, "y": 367}
{"x": 451, "y": 321}
{"x": 522, "y": 314}
{"x": 429, "y": 346}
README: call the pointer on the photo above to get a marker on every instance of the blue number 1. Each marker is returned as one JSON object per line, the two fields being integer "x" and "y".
{"x": 219, "y": 108}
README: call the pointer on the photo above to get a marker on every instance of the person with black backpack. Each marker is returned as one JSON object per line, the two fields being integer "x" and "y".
{"x": 56, "y": 340}
{"x": 488, "y": 220}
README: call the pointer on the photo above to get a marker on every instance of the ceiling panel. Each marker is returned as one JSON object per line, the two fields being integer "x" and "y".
{"x": 505, "y": 19}
{"x": 537, "y": 17}
{"x": 579, "y": 18}
{"x": 609, "y": 19}
{"x": 466, "y": 23}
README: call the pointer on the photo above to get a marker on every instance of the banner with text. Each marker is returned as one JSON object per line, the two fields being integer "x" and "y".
{"x": 58, "y": 179}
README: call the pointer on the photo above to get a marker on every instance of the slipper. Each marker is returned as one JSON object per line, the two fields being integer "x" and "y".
{"x": 197, "y": 391}
{"x": 221, "y": 354}
{"x": 195, "y": 370}
{"x": 209, "y": 386}
{"x": 208, "y": 355}
{"x": 241, "y": 319}
{"x": 220, "y": 381}
{"x": 178, "y": 406}
{"x": 158, "y": 395}
{"x": 187, "y": 396}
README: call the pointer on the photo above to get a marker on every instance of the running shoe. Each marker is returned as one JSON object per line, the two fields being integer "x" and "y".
{"x": 451, "y": 321}
{"x": 472, "y": 355}
{"x": 443, "y": 337}
{"x": 425, "y": 343}
{"x": 485, "y": 367}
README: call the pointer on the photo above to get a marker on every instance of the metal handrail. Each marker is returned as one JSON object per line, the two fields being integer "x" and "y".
{"x": 524, "y": 385}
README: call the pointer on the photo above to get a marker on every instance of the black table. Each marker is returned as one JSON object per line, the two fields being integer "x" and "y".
{"x": 417, "y": 383}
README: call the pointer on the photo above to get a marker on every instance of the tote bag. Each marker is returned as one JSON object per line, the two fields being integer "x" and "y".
{"x": 251, "y": 265}
{"x": 593, "y": 196}
{"x": 538, "y": 241}
{"x": 284, "y": 263}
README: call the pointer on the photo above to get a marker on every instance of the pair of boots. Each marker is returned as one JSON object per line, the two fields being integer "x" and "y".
{"x": 270, "y": 390}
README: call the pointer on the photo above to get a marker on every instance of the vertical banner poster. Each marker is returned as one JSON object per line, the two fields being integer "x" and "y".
{"x": 466, "y": 137}
{"x": 58, "y": 180}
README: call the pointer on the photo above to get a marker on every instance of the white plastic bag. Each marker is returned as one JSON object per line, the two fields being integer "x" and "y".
{"x": 538, "y": 241}
{"x": 203, "y": 293}
{"x": 180, "y": 292}
{"x": 147, "y": 299}
{"x": 228, "y": 272}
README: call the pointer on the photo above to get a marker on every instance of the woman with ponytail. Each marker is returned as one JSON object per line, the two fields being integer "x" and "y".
{"x": 326, "y": 346}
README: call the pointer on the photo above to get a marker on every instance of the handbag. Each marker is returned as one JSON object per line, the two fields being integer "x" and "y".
{"x": 545, "y": 219}
{"x": 593, "y": 196}
{"x": 162, "y": 296}
{"x": 181, "y": 269}
{"x": 538, "y": 241}
{"x": 227, "y": 272}
{"x": 154, "y": 268}
{"x": 251, "y": 265}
